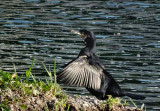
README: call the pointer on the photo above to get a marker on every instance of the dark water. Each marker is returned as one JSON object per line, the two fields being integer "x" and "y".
{"x": 127, "y": 32}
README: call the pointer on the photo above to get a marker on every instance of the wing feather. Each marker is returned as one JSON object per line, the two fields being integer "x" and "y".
{"x": 80, "y": 73}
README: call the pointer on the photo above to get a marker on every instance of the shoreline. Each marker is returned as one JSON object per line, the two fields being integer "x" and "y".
{"x": 49, "y": 102}
{"x": 24, "y": 95}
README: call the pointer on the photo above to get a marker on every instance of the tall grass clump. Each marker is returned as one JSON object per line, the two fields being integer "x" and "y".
{"x": 18, "y": 92}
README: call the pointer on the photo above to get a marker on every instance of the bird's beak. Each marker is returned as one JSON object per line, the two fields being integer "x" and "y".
{"x": 77, "y": 32}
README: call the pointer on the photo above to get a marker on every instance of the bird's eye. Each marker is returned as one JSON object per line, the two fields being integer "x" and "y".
{"x": 82, "y": 34}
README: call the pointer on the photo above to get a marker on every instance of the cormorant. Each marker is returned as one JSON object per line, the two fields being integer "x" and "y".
{"x": 87, "y": 71}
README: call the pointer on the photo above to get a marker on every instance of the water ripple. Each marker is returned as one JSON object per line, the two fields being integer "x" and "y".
{"x": 127, "y": 34}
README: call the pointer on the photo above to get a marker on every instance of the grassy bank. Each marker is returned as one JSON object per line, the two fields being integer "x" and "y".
{"x": 37, "y": 95}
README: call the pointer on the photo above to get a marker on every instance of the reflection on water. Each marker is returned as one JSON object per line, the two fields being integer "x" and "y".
{"x": 127, "y": 35}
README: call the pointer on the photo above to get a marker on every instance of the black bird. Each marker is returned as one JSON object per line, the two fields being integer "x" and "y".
{"x": 87, "y": 71}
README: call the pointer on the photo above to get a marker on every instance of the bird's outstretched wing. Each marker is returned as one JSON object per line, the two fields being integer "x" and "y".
{"x": 80, "y": 73}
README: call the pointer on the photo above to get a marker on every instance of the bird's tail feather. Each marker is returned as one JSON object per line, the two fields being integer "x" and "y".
{"x": 135, "y": 96}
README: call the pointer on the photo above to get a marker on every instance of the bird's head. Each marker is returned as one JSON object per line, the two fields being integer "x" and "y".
{"x": 85, "y": 34}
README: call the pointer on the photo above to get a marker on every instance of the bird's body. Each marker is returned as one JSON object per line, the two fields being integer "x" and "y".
{"x": 87, "y": 71}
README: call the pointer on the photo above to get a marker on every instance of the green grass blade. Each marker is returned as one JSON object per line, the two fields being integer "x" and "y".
{"x": 54, "y": 72}
{"x": 28, "y": 72}
{"x": 133, "y": 103}
{"x": 48, "y": 72}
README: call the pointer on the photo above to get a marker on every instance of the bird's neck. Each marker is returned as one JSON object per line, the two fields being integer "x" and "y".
{"x": 88, "y": 50}
{"x": 90, "y": 42}
{"x": 90, "y": 46}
